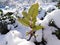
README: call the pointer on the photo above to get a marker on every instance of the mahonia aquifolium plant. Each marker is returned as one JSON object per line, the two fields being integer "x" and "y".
{"x": 29, "y": 18}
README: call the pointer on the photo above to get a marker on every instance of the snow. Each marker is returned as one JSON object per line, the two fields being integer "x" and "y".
{"x": 53, "y": 15}
{"x": 15, "y": 38}
{"x": 8, "y": 10}
{"x": 10, "y": 27}
{"x": 2, "y": 40}
{"x": 38, "y": 21}
{"x": 2, "y": 0}
{"x": 33, "y": 39}
{"x": 51, "y": 39}
{"x": 21, "y": 28}
{"x": 38, "y": 35}
{"x": 41, "y": 13}
{"x": 51, "y": 8}
{"x": 45, "y": 10}
{"x": 7, "y": 7}
{"x": 26, "y": 43}
{"x": 14, "y": 33}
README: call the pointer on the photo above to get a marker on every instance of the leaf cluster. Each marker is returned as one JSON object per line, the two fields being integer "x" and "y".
{"x": 29, "y": 18}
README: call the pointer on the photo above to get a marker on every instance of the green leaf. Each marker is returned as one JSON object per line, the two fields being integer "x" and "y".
{"x": 24, "y": 21}
{"x": 24, "y": 13}
{"x": 33, "y": 11}
{"x": 30, "y": 16}
{"x": 37, "y": 27}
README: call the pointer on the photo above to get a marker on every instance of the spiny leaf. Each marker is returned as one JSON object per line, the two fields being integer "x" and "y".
{"x": 37, "y": 27}
{"x": 25, "y": 14}
{"x": 24, "y": 21}
{"x": 33, "y": 11}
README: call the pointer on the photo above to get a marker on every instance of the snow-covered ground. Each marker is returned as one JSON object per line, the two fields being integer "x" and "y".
{"x": 17, "y": 36}
{"x": 50, "y": 39}
{"x": 14, "y": 37}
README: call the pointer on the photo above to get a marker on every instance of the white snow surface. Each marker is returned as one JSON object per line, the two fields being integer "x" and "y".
{"x": 41, "y": 13}
{"x": 38, "y": 35}
{"x": 55, "y": 15}
{"x": 14, "y": 37}
{"x": 50, "y": 7}
{"x": 26, "y": 43}
{"x": 2, "y": 40}
{"x": 8, "y": 10}
{"x": 51, "y": 39}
